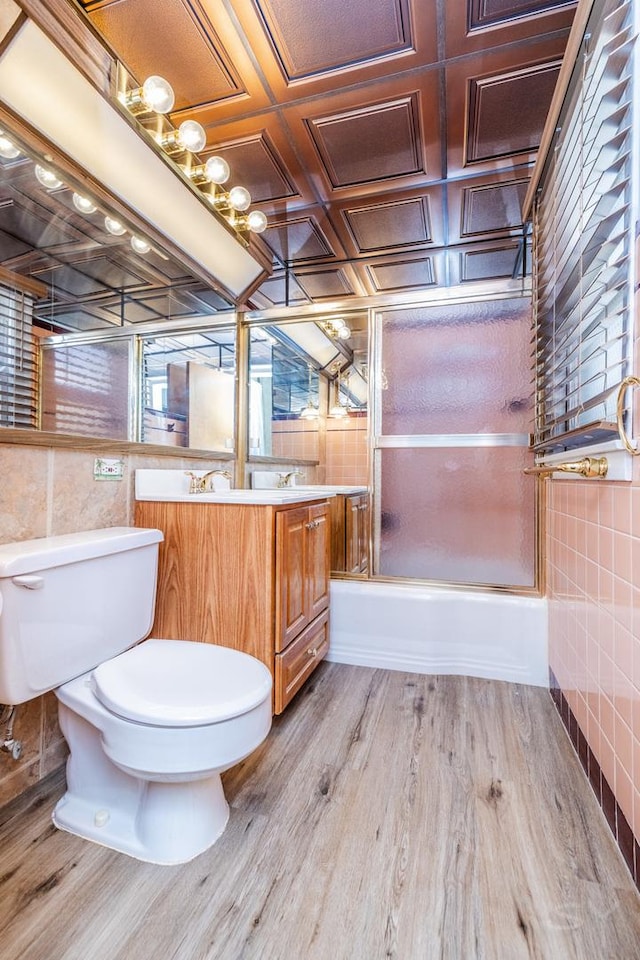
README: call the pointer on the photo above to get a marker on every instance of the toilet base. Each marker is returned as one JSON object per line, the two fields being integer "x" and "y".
{"x": 164, "y": 823}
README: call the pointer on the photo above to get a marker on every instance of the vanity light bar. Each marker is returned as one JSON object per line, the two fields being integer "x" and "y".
{"x": 156, "y": 96}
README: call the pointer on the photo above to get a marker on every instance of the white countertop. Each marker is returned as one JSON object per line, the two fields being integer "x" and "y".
{"x": 330, "y": 488}
{"x": 289, "y": 496}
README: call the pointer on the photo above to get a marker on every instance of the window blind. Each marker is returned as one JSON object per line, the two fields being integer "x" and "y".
{"x": 18, "y": 360}
{"x": 583, "y": 242}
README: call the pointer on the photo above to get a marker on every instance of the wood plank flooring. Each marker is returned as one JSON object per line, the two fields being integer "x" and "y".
{"x": 388, "y": 815}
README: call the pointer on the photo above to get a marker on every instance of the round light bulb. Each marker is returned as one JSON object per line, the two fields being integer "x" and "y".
{"x": 47, "y": 178}
{"x": 239, "y": 199}
{"x": 337, "y": 412}
{"x": 8, "y": 150}
{"x": 83, "y": 204}
{"x": 157, "y": 94}
{"x": 114, "y": 226}
{"x": 257, "y": 221}
{"x": 216, "y": 170}
{"x": 191, "y": 136}
{"x": 344, "y": 332}
{"x": 140, "y": 245}
{"x": 310, "y": 412}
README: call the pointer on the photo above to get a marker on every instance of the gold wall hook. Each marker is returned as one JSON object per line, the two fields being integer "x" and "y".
{"x": 587, "y": 467}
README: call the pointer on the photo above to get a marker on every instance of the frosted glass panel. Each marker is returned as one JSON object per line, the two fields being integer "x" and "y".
{"x": 457, "y": 514}
{"x": 461, "y": 368}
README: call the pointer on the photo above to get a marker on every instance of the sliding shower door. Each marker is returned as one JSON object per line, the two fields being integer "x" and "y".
{"x": 453, "y": 413}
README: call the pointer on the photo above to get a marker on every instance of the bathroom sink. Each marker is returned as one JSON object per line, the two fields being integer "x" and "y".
{"x": 173, "y": 485}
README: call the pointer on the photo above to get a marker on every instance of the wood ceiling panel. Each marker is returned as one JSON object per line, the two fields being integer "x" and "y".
{"x": 399, "y": 223}
{"x": 403, "y": 275}
{"x": 308, "y": 47}
{"x": 486, "y": 206}
{"x": 279, "y": 291}
{"x": 255, "y": 164}
{"x": 378, "y": 142}
{"x": 315, "y": 38}
{"x": 298, "y": 239}
{"x": 193, "y": 45}
{"x": 507, "y": 112}
{"x": 489, "y": 13}
{"x": 359, "y": 146}
{"x": 485, "y": 261}
{"x": 497, "y": 104}
{"x": 263, "y": 158}
{"x": 326, "y": 284}
{"x": 397, "y": 220}
{"x": 475, "y": 25}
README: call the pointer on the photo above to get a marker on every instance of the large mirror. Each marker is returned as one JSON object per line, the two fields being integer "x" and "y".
{"x": 69, "y": 269}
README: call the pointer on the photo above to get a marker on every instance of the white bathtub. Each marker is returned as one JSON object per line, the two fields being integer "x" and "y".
{"x": 425, "y": 629}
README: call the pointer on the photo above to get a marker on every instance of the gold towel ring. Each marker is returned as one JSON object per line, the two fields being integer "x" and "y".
{"x": 627, "y": 382}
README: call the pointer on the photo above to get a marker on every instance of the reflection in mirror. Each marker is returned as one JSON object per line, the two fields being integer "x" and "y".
{"x": 282, "y": 383}
{"x": 68, "y": 266}
{"x": 189, "y": 389}
{"x": 305, "y": 377}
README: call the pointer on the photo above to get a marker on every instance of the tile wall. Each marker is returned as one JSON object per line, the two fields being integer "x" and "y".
{"x": 347, "y": 451}
{"x": 45, "y": 492}
{"x": 593, "y": 569}
{"x": 593, "y": 585}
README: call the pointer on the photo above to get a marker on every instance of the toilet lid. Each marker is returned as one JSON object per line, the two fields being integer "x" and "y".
{"x": 178, "y": 683}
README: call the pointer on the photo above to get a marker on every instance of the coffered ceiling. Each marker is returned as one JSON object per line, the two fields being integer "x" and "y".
{"x": 390, "y": 142}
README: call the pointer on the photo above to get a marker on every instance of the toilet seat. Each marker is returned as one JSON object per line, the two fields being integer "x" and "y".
{"x": 180, "y": 683}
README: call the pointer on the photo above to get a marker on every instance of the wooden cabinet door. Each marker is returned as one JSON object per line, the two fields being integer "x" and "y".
{"x": 318, "y": 560}
{"x": 291, "y": 576}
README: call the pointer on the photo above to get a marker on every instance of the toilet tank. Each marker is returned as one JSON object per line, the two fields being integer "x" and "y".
{"x": 70, "y": 602}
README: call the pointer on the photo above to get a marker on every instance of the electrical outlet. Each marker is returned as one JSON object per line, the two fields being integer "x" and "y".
{"x": 108, "y": 469}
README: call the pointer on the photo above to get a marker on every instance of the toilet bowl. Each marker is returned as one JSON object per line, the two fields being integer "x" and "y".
{"x": 150, "y": 728}
{"x": 150, "y": 732}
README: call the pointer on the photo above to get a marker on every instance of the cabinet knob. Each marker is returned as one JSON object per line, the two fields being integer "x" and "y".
{"x": 312, "y": 651}
{"x": 312, "y": 524}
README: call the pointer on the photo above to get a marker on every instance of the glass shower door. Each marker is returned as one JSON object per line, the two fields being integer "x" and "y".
{"x": 453, "y": 413}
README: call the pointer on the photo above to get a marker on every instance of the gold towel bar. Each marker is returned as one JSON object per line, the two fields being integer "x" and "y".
{"x": 627, "y": 382}
{"x": 587, "y": 467}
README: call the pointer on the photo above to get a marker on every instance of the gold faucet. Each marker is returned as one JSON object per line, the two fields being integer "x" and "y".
{"x": 284, "y": 479}
{"x": 200, "y": 484}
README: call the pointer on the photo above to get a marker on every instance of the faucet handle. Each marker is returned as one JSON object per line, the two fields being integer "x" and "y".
{"x": 196, "y": 483}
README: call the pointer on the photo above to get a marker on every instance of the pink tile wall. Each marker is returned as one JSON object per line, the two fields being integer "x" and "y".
{"x": 295, "y": 439}
{"x": 346, "y": 451}
{"x": 593, "y": 548}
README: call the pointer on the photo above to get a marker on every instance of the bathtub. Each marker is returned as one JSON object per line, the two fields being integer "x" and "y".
{"x": 424, "y": 629}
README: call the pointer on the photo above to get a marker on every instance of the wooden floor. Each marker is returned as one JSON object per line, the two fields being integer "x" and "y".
{"x": 387, "y": 815}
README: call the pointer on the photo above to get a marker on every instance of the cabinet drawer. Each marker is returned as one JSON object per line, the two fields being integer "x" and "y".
{"x": 299, "y": 660}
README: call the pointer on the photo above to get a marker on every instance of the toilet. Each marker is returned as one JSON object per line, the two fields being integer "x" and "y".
{"x": 150, "y": 724}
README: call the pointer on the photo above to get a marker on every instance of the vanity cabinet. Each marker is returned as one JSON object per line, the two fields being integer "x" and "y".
{"x": 252, "y": 577}
{"x": 350, "y": 533}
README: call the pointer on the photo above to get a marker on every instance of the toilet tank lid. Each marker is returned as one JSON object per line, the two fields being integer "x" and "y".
{"x": 46, "y": 552}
